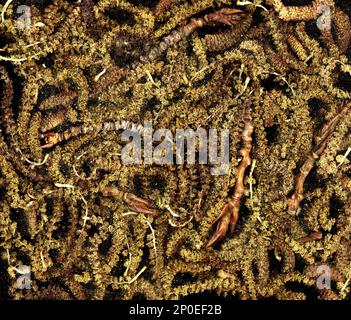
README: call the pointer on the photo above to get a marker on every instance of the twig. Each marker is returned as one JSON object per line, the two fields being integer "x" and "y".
{"x": 85, "y": 217}
{"x": 153, "y": 236}
{"x": 180, "y": 225}
{"x": 136, "y": 277}
{"x": 130, "y": 260}
{"x": 311, "y": 237}
{"x": 320, "y": 144}
{"x": 135, "y": 203}
{"x": 246, "y": 3}
{"x": 97, "y": 77}
{"x": 43, "y": 261}
{"x": 344, "y": 157}
{"x": 172, "y": 212}
{"x": 230, "y": 212}
{"x": 17, "y": 59}
{"x": 37, "y": 164}
{"x": 250, "y": 181}
{"x": 63, "y": 185}
{"x": 6, "y": 5}
{"x": 129, "y": 213}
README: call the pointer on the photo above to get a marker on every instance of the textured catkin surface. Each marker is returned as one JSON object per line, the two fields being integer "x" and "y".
{"x": 82, "y": 65}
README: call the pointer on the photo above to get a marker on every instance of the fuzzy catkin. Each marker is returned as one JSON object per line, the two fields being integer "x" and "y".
{"x": 89, "y": 71}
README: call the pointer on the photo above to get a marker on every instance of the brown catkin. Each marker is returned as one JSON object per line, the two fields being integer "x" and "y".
{"x": 342, "y": 25}
{"x": 228, "y": 38}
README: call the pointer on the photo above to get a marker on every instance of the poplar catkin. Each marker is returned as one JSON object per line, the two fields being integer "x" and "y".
{"x": 91, "y": 226}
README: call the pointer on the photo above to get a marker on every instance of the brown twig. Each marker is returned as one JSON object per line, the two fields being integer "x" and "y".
{"x": 316, "y": 235}
{"x": 228, "y": 16}
{"x": 53, "y": 138}
{"x": 320, "y": 144}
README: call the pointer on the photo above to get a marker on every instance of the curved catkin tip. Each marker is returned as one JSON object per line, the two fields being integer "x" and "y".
{"x": 52, "y": 119}
{"x": 297, "y": 47}
{"x": 7, "y": 97}
{"x": 300, "y": 13}
{"x": 230, "y": 37}
{"x": 164, "y": 5}
{"x": 342, "y": 25}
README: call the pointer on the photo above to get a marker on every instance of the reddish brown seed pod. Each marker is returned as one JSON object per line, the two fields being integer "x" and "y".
{"x": 230, "y": 212}
{"x": 135, "y": 203}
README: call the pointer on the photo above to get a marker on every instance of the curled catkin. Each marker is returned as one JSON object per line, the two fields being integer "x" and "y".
{"x": 53, "y": 138}
{"x": 163, "y": 5}
{"x": 297, "y": 47}
{"x": 55, "y": 13}
{"x": 52, "y": 119}
{"x": 228, "y": 38}
{"x": 300, "y": 13}
{"x": 277, "y": 60}
{"x": 63, "y": 98}
{"x": 6, "y": 100}
{"x": 342, "y": 25}
{"x": 87, "y": 12}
